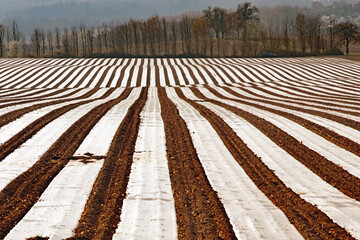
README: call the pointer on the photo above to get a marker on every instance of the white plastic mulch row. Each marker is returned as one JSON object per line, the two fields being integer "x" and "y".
{"x": 251, "y": 213}
{"x": 339, "y": 128}
{"x": 29, "y": 152}
{"x": 148, "y": 211}
{"x": 57, "y": 212}
{"x": 99, "y": 139}
{"x": 342, "y": 209}
{"x": 315, "y": 106}
{"x": 327, "y": 149}
{"x": 5, "y": 110}
{"x": 285, "y": 73}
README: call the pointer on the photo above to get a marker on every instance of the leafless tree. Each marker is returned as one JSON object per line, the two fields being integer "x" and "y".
{"x": 347, "y": 32}
{"x": 144, "y": 34}
{"x": 83, "y": 38}
{"x": 185, "y": 25}
{"x": 43, "y": 42}
{"x": 300, "y": 28}
{"x": 112, "y": 36}
{"x": 15, "y": 31}
{"x": 105, "y": 36}
{"x": 66, "y": 42}
{"x": 58, "y": 39}
{"x": 50, "y": 42}
{"x": 75, "y": 41}
{"x": 285, "y": 31}
{"x": 174, "y": 36}
{"x": 164, "y": 25}
{"x": 90, "y": 38}
{"x": 36, "y": 41}
{"x": 135, "y": 35}
{"x": 2, "y": 39}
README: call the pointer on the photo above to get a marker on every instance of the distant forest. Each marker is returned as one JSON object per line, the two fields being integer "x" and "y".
{"x": 245, "y": 31}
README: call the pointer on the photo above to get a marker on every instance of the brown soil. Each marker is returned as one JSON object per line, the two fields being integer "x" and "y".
{"x": 311, "y": 222}
{"x": 101, "y": 215}
{"x": 22, "y": 193}
{"x": 331, "y": 136}
{"x": 302, "y": 100}
{"x": 327, "y": 170}
{"x": 12, "y": 116}
{"x": 122, "y": 73}
{"x": 199, "y": 212}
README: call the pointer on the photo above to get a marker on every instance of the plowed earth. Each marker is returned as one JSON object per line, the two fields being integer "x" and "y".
{"x": 317, "y": 96}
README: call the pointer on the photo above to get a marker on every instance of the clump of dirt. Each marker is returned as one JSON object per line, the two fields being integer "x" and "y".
{"x": 89, "y": 154}
{"x": 38, "y": 238}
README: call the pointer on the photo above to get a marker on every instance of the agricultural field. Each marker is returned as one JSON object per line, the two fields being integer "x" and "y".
{"x": 180, "y": 148}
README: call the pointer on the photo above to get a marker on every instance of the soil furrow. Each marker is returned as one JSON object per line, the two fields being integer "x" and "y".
{"x": 140, "y": 73}
{"x": 102, "y": 78}
{"x": 187, "y": 82}
{"x": 24, "y": 81}
{"x": 22, "y": 101}
{"x": 342, "y": 120}
{"x": 182, "y": 62}
{"x": 301, "y": 102}
{"x": 122, "y": 73}
{"x": 13, "y": 143}
{"x": 131, "y": 73}
{"x": 173, "y": 71}
{"x": 11, "y": 116}
{"x": 205, "y": 69}
{"x": 157, "y": 72}
{"x": 308, "y": 96}
{"x": 200, "y": 214}
{"x": 82, "y": 80}
{"x": 103, "y": 208}
{"x": 30, "y": 92}
{"x": 327, "y": 170}
{"x": 299, "y": 99}
{"x": 21, "y": 194}
{"x": 114, "y": 73}
{"x": 311, "y": 222}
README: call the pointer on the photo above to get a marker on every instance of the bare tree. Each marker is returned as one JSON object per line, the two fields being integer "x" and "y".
{"x": 2, "y": 39}
{"x": 232, "y": 29}
{"x": 174, "y": 36}
{"x": 15, "y": 31}
{"x": 105, "y": 36}
{"x": 8, "y": 38}
{"x": 36, "y": 41}
{"x": 58, "y": 39}
{"x": 66, "y": 42}
{"x": 83, "y": 38}
{"x": 218, "y": 23}
{"x": 143, "y": 30}
{"x": 185, "y": 25}
{"x": 75, "y": 41}
{"x": 99, "y": 39}
{"x": 43, "y": 42}
{"x": 246, "y": 13}
{"x": 300, "y": 28}
{"x": 50, "y": 42}
{"x": 346, "y": 33}
{"x": 152, "y": 32}
{"x": 24, "y": 44}
{"x": 90, "y": 38}
{"x": 286, "y": 39}
{"x": 164, "y": 25}
{"x": 199, "y": 31}
{"x": 135, "y": 35}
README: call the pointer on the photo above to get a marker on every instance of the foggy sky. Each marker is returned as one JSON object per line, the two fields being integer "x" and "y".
{"x": 49, "y": 13}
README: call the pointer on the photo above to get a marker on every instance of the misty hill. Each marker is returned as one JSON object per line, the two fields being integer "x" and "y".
{"x": 50, "y": 13}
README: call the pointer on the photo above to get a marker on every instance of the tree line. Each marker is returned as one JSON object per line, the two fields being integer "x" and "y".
{"x": 216, "y": 32}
